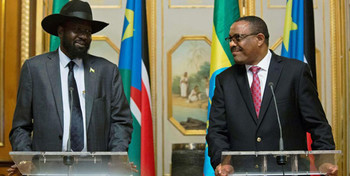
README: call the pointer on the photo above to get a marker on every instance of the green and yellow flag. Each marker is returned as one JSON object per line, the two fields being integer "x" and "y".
{"x": 225, "y": 13}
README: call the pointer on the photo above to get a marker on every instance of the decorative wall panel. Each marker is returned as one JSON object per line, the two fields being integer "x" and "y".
{"x": 104, "y": 4}
{"x": 191, "y": 4}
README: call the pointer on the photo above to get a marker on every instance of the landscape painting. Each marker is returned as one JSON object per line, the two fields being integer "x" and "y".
{"x": 190, "y": 64}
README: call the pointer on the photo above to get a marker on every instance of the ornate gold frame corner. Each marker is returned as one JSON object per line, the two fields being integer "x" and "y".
{"x": 277, "y": 43}
{"x": 173, "y": 121}
{"x": 107, "y": 40}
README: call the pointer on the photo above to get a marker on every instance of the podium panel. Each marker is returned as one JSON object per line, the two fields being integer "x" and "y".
{"x": 279, "y": 162}
{"x": 72, "y": 163}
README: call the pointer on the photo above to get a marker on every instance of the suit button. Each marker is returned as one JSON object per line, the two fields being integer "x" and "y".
{"x": 258, "y": 139}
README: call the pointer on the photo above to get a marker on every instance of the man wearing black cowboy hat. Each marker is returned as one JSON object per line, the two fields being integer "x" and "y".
{"x": 69, "y": 87}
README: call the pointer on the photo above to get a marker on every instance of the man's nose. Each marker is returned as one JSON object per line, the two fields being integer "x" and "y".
{"x": 232, "y": 43}
{"x": 84, "y": 35}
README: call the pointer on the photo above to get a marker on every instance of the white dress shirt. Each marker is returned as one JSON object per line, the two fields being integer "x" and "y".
{"x": 262, "y": 74}
{"x": 79, "y": 78}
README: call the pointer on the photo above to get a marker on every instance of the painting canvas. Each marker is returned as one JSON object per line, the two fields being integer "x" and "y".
{"x": 190, "y": 84}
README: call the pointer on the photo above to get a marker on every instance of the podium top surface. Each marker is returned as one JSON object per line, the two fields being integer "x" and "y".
{"x": 58, "y": 153}
{"x": 295, "y": 152}
{"x": 72, "y": 163}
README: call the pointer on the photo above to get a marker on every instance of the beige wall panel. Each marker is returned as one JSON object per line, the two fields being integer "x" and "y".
{"x": 106, "y": 43}
{"x": 190, "y": 20}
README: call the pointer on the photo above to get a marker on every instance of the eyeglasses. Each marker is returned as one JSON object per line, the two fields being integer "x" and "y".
{"x": 238, "y": 37}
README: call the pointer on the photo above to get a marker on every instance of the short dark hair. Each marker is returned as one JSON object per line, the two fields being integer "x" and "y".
{"x": 257, "y": 25}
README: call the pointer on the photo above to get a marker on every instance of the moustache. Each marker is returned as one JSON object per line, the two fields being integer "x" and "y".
{"x": 81, "y": 42}
{"x": 236, "y": 48}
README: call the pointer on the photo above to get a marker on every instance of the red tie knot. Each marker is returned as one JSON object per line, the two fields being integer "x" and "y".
{"x": 254, "y": 69}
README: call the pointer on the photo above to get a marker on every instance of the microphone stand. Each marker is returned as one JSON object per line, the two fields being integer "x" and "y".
{"x": 280, "y": 159}
{"x": 69, "y": 160}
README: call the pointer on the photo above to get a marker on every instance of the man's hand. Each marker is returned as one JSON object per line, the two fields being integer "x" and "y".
{"x": 133, "y": 167}
{"x": 13, "y": 170}
{"x": 116, "y": 166}
{"x": 223, "y": 170}
{"x": 330, "y": 169}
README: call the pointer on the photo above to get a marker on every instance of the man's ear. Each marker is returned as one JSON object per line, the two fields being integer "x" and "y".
{"x": 60, "y": 31}
{"x": 261, "y": 39}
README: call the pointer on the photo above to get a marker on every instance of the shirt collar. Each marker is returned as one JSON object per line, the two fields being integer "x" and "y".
{"x": 264, "y": 63}
{"x": 64, "y": 59}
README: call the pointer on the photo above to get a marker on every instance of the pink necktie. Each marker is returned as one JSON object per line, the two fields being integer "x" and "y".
{"x": 255, "y": 88}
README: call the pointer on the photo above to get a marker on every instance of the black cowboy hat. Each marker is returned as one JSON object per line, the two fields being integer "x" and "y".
{"x": 74, "y": 9}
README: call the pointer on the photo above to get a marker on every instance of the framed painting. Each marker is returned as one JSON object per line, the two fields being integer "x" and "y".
{"x": 188, "y": 84}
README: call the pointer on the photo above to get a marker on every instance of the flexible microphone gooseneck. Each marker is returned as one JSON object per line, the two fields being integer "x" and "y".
{"x": 281, "y": 159}
{"x": 69, "y": 160}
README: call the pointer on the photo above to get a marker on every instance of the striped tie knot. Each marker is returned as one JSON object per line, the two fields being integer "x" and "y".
{"x": 254, "y": 69}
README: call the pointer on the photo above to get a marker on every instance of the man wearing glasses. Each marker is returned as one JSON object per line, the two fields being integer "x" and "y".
{"x": 243, "y": 114}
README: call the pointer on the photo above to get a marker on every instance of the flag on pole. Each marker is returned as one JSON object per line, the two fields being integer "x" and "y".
{"x": 225, "y": 13}
{"x": 134, "y": 69}
{"x": 299, "y": 40}
{"x": 299, "y": 33}
{"x": 56, "y": 8}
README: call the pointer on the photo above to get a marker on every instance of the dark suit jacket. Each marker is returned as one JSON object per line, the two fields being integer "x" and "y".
{"x": 39, "y": 108}
{"x": 233, "y": 125}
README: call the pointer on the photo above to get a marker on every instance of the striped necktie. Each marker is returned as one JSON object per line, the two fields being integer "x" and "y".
{"x": 255, "y": 89}
{"x": 76, "y": 124}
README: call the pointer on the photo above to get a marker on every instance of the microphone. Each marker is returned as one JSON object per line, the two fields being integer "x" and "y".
{"x": 281, "y": 159}
{"x": 69, "y": 160}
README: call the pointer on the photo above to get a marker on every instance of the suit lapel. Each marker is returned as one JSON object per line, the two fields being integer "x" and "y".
{"x": 273, "y": 76}
{"x": 90, "y": 81}
{"x": 242, "y": 82}
{"x": 53, "y": 70}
